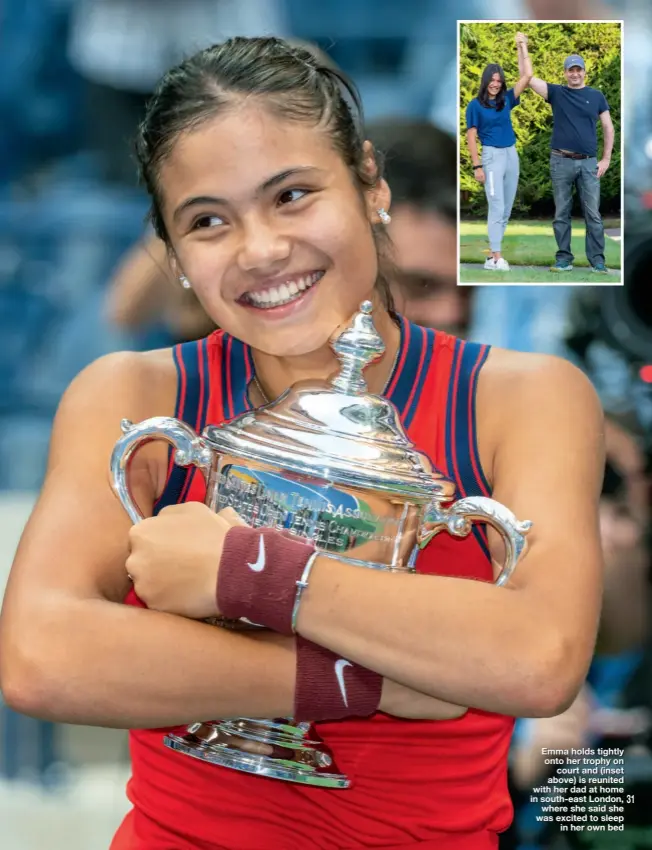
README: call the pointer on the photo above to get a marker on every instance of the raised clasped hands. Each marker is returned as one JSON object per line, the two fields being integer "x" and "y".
{"x": 174, "y": 558}
{"x": 521, "y": 39}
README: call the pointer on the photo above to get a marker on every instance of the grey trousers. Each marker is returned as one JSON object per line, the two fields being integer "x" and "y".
{"x": 501, "y": 167}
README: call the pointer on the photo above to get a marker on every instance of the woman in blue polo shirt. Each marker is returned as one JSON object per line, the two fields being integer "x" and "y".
{"x": 488, "y": 118}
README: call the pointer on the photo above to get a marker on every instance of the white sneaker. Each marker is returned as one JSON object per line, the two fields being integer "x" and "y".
{"x": 490, "y": 264}
{"x": 502, "y": 265}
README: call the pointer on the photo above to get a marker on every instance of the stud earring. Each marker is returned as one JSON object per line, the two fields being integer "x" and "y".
{"x": 384, "y": 216}
{"x": 183, "y": 280}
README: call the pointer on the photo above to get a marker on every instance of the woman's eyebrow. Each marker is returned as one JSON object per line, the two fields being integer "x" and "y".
{"x": 267, "y": 184}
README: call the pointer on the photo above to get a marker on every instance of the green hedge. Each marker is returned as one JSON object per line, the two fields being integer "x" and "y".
{"x": 599, "y": 45}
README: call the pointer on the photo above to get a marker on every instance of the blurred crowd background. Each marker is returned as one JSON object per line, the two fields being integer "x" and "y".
{"x": 81, "y": 275}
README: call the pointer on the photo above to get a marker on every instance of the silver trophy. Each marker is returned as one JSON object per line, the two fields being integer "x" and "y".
{"x": 328, "y": 462}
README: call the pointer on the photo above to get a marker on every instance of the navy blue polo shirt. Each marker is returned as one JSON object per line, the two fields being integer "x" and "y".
{"x": 494, "y": 128}
{"x": 574, "y": 116}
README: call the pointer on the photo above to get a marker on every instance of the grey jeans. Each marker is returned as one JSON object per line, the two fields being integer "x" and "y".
{"x": 501, "y": 167}
{"x": 583, "y": 173}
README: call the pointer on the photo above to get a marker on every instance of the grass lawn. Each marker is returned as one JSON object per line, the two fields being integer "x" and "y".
{"x": 528, "y": 274}
{"x": 532, "y": 243}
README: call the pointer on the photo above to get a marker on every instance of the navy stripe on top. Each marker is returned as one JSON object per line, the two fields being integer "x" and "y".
{"x": 419, "y": 369}
{"x": 202, "y": 408}
{"x": 460, "y": 433}
{"x": 240, "y": 374}
{"x": 191, "y": 408}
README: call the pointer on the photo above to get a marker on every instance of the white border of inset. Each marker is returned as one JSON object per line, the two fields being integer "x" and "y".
{"x": 554, "y": 281}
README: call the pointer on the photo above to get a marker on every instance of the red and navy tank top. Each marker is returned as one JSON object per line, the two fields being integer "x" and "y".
{"x": 416, "y": 783}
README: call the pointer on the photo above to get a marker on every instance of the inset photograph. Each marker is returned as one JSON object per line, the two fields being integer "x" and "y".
{"x": 540, "y": 152}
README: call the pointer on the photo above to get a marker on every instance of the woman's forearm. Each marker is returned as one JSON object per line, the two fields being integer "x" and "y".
{"x": 466, "y": 642}
{"x": 524, "y": 62}
{"x": 472, "y": 142}
{"x": 100, "y": 663}
{"x": 521, "y": 59}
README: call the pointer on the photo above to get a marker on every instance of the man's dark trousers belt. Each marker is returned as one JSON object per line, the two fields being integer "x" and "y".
{"x": 570, "y": 154}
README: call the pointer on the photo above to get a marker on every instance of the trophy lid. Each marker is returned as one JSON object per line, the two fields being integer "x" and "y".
{"x": 335, "y": 430}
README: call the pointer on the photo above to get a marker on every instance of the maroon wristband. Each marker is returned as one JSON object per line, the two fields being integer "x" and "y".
{"x": 329, "y": 687}
{"x": 258, "y": 575}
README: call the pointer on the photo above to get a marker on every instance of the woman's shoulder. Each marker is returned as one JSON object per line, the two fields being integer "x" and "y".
{"x": 140, "y": 383}
{"x": 148, "y": 379}
{"x": 125, "y": 385}
{"x": 508, "y": 370}
{"x": 535, "y": 406}
{"x": 514, "y": 381}
{"x": 132, "y": 368}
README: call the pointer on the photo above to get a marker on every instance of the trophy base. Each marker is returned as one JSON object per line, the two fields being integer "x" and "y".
{"x": 307, "y": 763}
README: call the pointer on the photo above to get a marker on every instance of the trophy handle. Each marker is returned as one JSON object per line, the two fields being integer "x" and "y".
{"x": 189, "y": 447}
{"x": 458, "y": 520}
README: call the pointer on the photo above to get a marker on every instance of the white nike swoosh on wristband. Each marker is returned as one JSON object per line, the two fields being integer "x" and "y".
{"x": 259, "y": 565}
{"x": 340, "y": 664}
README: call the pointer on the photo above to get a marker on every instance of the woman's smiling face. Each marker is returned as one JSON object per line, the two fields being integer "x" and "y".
{"x": 267, "y": 223}
{"x": 495, "y": 85}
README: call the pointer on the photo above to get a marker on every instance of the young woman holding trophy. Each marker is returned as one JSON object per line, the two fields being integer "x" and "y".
{"x": 273, "y": 208}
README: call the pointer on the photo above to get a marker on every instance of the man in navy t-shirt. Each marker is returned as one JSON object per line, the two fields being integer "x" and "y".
{"x": 576, "y": 109}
